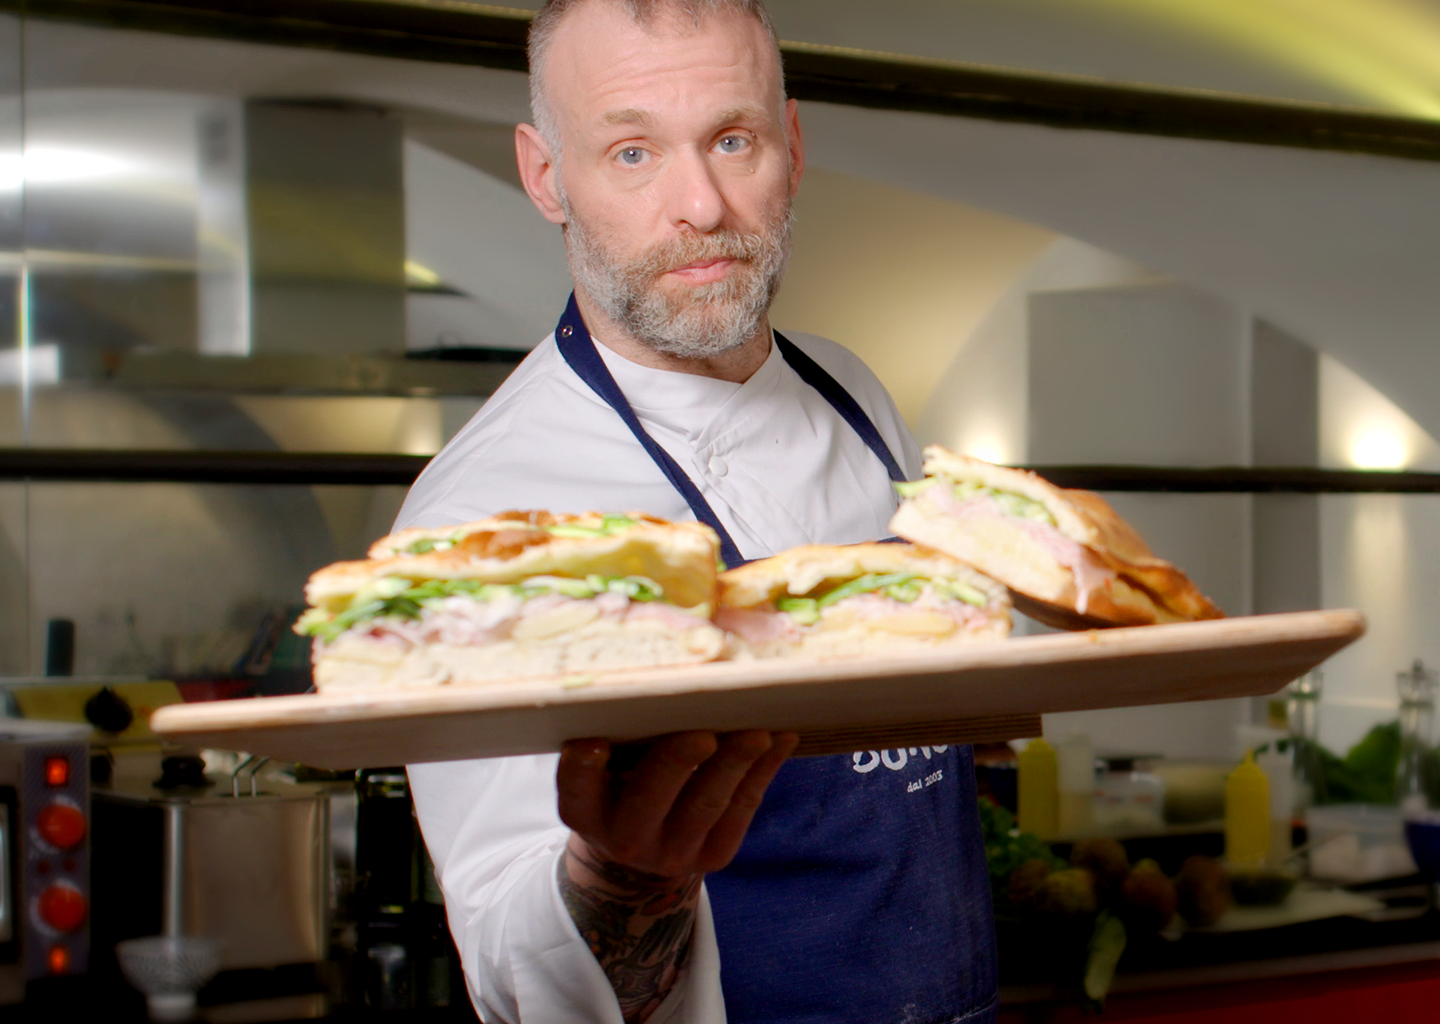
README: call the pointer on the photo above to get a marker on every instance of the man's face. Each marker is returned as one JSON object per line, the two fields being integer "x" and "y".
{"x": 677, "y": 173}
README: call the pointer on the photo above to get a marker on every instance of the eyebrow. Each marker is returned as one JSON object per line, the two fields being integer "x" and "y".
{"x": 629, "y": 115}
{"x": 747, "y": 112}
{"x": 644, "y": 119}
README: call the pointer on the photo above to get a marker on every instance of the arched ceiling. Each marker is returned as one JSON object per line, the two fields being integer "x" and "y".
{"x": 1383, "y": 54}
{"x": 1338, "y": 249}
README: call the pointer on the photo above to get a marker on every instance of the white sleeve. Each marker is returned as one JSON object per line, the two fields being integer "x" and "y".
{"x": 495, "y": 837}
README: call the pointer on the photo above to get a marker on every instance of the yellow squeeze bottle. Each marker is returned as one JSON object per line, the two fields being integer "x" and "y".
{"x": 1039, "y": 789}
{"x": 1247, "y": 814}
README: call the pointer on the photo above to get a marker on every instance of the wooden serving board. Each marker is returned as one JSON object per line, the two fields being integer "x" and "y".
{"x": 961, "y": 694}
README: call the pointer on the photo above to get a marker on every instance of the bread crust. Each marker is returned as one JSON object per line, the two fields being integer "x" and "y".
{"x": 858, "y": 641}
{"x": 1124, "y": 583}
{"x": 800, "y": 570}
{"x": 515, "y": 546}
{"x": 754, "y": 588}
{"x": 358, "y": 662}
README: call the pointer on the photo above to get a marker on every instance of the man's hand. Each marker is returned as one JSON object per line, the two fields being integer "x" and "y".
{"x": 643, "y": 839}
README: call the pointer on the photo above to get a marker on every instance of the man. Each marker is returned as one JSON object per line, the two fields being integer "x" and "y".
{"x": 581, "y": 889}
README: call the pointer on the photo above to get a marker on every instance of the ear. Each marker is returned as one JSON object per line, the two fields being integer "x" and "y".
{"x": 796, "y": 144}
{"x": 537, "y": 172}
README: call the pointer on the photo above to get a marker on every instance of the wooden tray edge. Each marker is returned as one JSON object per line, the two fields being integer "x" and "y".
{"x": 1342, "y": 626}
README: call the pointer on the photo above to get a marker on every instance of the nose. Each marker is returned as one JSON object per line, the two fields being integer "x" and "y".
{"x": 694, "y": 197}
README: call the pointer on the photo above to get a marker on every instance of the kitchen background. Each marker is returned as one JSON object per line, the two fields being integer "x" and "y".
{"x": 240, "y": 246}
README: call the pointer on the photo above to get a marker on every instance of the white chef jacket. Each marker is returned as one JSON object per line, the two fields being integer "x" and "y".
{"x": 779, "y": 466}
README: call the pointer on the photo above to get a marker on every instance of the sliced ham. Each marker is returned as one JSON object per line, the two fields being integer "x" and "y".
{"x": 465, "y": 621}
{"x": 1091, "y": 572}
{"x": 760, "y": 627}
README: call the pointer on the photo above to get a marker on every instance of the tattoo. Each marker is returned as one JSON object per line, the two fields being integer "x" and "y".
{"x": 637, "y": 925}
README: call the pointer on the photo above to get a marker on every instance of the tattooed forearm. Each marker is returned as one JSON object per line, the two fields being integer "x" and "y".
{"x": 637, "y": 925}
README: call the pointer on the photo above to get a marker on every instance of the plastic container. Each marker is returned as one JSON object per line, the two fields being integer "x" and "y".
{"x": 1247, "y": 815}
{"x": 1129, "y": 801}
{"x": 1039, "y": 789}
{"x": 1280, "y": 774}
{"x": 1194, "y": 790}
{"x": 1357, "y": 843}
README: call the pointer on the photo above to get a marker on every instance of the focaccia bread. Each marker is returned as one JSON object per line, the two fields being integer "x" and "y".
{"x": 853, "y": 599}
{"x": 522, "y": 594}
{"x": 1066, "y": 556}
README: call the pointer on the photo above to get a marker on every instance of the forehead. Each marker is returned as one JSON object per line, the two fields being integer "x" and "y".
{"x": 602, "y": 63}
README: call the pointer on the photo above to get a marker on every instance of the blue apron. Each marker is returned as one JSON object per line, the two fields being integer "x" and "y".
{"x": 860, "y": 894}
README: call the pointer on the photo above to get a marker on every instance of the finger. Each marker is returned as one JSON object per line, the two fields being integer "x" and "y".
{"x": 582, "y": 782}
{"x": 708, "y": 795}
{"x": 725, "y": 837}
{"x": 650, "y": 791}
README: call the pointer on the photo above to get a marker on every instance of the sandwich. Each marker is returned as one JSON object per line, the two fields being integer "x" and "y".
{"x": 854, "y": 599}
{"x": 1069, "y": 560}
{"x": 519, "y": 595}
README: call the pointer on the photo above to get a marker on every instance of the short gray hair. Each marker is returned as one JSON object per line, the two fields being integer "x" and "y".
{"x": 645, "y": 13}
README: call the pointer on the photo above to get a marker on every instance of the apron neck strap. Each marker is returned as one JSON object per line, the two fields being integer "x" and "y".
{"x": 578, "y": 350}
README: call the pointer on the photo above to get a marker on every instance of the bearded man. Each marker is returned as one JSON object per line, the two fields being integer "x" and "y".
{"x": 666, "y": 891}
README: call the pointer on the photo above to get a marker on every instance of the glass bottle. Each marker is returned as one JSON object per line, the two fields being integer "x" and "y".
{"x": 1302, "y": 713}
{"x": 1414, "y": 787}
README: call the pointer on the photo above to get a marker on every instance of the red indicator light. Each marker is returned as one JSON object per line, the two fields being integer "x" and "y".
{"x": 57, "y": 771}
{"x": 58, "y": 959}
{"x": 62, "y": 826}
{"x": 63, "y": 908}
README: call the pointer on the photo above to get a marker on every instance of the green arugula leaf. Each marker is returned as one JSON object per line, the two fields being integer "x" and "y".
{"x": 804, "y": 610}
{"x": 910, "y": 488}
{"x": 401, "y": 598}
{"x": 865, "y": 584}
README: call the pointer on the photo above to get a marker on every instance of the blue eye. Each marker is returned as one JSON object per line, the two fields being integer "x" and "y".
{"x": 631, "y": 157}
{"x": 732, "y": 144}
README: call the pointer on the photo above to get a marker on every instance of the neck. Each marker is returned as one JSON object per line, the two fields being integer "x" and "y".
{"x": 736, "y": 365}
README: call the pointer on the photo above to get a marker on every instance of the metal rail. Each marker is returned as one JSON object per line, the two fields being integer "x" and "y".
{"x": 1240, "y": 480}
{"x": 460, "y": 32}
{"x": 80, "y": 465}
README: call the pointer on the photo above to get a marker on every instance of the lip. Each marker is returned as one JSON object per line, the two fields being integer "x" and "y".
{"x": 702, "y": 271}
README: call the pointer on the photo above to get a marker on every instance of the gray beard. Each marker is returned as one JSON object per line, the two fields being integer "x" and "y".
{"x": 707, "y": 320}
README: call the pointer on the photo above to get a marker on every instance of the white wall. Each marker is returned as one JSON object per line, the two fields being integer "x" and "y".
{"x": 980, "y": 401}
{"x": 1381, "y": 554}
{"x": 902, "y": 279}
{"x": 1151, "y": 374}
{"x": 1337, "y": 249}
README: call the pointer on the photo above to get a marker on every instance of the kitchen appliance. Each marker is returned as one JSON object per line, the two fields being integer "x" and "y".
{"x": 44, "y": 852}
{"x": 243, "y": 861}
{"x": 170, "y": 970}
{"x": 403, "y": 957}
